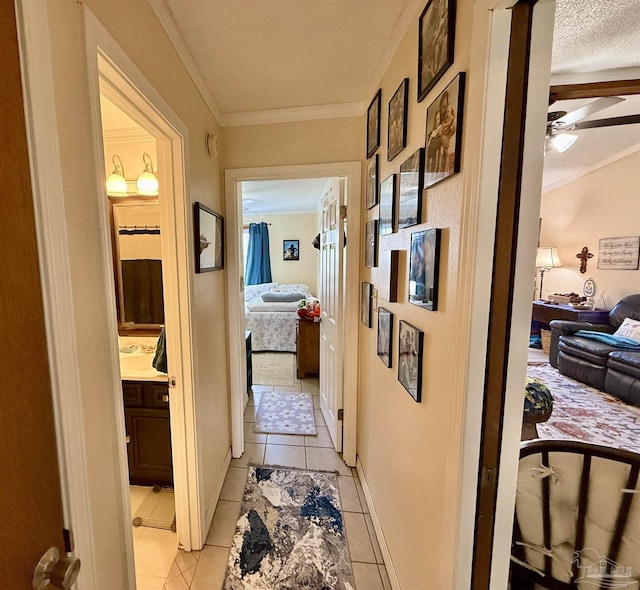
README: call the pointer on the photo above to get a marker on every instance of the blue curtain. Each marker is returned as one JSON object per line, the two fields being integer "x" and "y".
{"x": 258, "y": 261}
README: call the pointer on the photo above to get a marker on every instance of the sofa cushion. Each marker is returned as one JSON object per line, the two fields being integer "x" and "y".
{"x": 589, "y": 350}
{"x": 629, "y": 307}
{"x": 625, "y": 362}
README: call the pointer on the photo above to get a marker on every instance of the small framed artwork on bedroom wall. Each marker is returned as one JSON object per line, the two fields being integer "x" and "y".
{"x": 208, "y": 230}
{"x": 291, "y": 250}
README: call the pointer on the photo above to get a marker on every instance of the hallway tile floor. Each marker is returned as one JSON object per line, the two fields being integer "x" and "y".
{"x": 204, "y": 570}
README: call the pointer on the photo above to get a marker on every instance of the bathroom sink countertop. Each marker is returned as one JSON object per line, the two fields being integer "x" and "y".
{"x": 136, "y": 365}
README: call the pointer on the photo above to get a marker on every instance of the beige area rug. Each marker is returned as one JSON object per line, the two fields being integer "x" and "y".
{"x": 158, "y": 510}
{"x": 273, "y": 368}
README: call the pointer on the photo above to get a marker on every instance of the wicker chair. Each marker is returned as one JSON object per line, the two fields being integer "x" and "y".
{"x": 577, "y": 521}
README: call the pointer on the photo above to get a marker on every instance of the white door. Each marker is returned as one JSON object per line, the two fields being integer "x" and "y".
{"x": 331, "y": 300}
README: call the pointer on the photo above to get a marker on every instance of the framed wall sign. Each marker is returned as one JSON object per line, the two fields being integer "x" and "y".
{"x": 619, "y": 253}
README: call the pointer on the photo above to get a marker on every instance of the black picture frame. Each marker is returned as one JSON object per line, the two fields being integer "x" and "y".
{"x": 410, "y": 351}
{"x": 371, "y": 243}
{"x": 366, "y": 295}
{"x": 443, "y": 134}
{"x": 290, "y": 249}
{"x": 387, "y": 211}
{"x": 424, "y": 268}
{"x": 397, "y": 123}
{"x": 208, "y": 232}
{"x": 436, "y": 41}
{"x": 371, "y": 183}
{"x": 410, "y": 190}
{"x": 385, "y": 336}
{"x": 389, "y": 263}
{"x": 373, "y": 124}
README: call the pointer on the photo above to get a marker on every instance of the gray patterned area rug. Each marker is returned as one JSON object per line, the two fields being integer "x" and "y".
{"x": 290, "y": 534}
{"x": 273, "y": 368}
{"x": 285, "y": 413}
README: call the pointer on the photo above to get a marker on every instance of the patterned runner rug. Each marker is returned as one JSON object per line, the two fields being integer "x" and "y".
{"x": 285, "y": 413}
{"x": 586, "y": 414}
{"x": 290, "y": 534}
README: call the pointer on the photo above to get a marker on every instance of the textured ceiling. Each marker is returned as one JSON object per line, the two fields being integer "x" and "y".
{"x": 275, "y": 196}
{"x": 595, "y": 35}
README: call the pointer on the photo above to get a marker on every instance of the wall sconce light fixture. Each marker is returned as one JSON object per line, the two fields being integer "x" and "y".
{"x": 116, "y": 183}
{"x": 147, "y": 181}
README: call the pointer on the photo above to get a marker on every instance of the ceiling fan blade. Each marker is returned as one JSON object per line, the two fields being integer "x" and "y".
{"x": 590, "y": 109}
{"x": 612, "y": 121}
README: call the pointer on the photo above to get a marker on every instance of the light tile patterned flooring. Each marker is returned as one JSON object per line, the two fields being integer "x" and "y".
{"x": 204, "y": 570}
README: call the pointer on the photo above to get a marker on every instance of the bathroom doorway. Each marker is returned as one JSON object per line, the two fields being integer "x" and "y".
{"x": 147, "y": 252}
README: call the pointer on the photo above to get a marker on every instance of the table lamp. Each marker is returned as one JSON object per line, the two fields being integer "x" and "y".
{"x": 546, "y": 259}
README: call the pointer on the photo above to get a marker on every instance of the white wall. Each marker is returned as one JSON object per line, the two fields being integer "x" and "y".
{"x": 604, "y": 203}
{"x": 138, "y": 32}
{"x": 295, "y": 226}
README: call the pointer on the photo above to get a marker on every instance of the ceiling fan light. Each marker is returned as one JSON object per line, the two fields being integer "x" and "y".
{"x": 561, "y": 142}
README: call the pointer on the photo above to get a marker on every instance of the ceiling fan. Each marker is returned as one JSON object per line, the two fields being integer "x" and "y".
{"x": 559, "y": 123}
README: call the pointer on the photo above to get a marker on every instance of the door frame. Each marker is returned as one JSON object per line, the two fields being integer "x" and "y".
{"x": 352, "y": 172}
{"x": 491, "y": 35}
{"x": 111, "y": 72}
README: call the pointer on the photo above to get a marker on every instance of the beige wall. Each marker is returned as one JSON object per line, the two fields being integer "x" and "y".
{"x": 408, "y": 451}
{"x": 138, "y": 32}
{"x": 295, "y": 226}
{"x": 601, "y": 204}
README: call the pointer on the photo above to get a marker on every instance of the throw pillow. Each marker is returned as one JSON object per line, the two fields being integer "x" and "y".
{"x": 629, "y": 329}
{"x": 281, "y": 296}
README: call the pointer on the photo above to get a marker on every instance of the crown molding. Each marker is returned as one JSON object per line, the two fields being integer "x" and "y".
{"x": 163, "y": 14}
{"x": 294, "y": 114}
{"x": 407, "y": 18}
{"x": 585, "y": 171}
{"x": 126, "y": 135}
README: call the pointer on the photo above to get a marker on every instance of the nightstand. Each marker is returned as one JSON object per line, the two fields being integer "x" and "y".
{"x": 307, "y": 347}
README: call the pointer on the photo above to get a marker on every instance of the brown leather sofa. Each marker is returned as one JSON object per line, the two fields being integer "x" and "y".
{"x": 605, "y": 367}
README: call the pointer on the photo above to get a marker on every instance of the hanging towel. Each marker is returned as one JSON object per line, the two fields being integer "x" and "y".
{"x": 160, "y": 359}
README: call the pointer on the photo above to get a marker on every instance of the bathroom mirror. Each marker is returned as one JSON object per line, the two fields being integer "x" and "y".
{"x": 137, "y": 252}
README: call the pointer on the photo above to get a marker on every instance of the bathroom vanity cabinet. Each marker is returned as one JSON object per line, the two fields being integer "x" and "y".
{"x": 146, "y": 411}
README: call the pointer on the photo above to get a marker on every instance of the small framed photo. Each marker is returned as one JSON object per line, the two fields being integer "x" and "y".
{"x": 366, "y": 292}
{"x": 397, "y": 127}
{"x": 290, "y": 249}
{"x": 208, "y": 231}
{"x": 389, "y": 261}
{"x": 410, "y": 346}
{"x": 410, "y": 198}
{"x": 424, "y": 266}
{"x": 385, "y": 335}
{"x": 373, "y": 124}
{"x": 444, "y": 133}
{"x": 436, "y": 36}
{"x": 371, "y": 183}
{"x": 388, "y": 205}
{"x": 371, "y": 243}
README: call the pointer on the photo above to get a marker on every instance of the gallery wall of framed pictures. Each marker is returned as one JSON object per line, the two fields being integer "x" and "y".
{"x": 398, "y": 236}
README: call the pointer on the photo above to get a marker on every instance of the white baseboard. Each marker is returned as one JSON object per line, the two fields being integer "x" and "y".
{"x": 386, "y": 554}
{"x": 211, "y": 509}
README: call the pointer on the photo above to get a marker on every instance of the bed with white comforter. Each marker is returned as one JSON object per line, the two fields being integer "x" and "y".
{"x": 273, "y": 322}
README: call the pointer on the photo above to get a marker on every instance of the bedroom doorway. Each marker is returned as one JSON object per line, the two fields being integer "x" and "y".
{"x": 338, "y": 302}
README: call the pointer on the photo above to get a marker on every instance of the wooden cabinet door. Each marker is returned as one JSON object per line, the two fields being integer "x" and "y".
{"x": 30, "y": 499}
{"x": 149, "y": 448}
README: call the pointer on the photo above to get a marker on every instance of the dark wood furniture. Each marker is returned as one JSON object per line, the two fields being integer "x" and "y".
{"x": 146, "y": 414}
{"x": 545, "y": 312}
{"x": 247, "y": 338}
{"x": 307, "y": 347}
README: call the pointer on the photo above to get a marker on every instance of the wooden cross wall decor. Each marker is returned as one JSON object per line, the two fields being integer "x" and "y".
{"x": 584, "y": 255}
